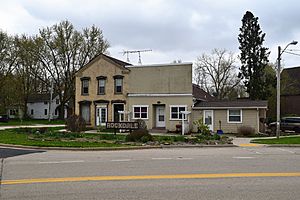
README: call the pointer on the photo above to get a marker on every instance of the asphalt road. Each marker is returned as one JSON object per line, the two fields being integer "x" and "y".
{"x": 194, "y": 173}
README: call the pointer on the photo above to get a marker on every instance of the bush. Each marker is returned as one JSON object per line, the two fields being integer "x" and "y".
{"x": 75, "y": 123}
{"x": 246, "y": 131}
{"x": 202, "y": 128}
{"x": 140, "y": 135}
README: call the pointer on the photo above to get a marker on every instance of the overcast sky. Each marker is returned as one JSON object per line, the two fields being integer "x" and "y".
{"x": 173, "y": 29}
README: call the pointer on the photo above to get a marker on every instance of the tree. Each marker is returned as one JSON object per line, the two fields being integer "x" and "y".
{"x": 217, "y": 73}
{"x": 8, "y": 58}
{"x": 254, "y": 57}
{"x": 62, "y": 50}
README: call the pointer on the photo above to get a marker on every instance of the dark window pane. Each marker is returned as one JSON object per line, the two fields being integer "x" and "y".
{"x": 137, "y": 109}
{"x": 174, "y": 109}
{"x": 136, "y": 115}
{"x": 143, "y": 115}
{"x": 234, "y": 118}
{"x": 118, "y": 89}
{"x": 143, "y": 109}
{"x": 174, "y": 116}
{"x": 101, "y": 90}
{"x": 181, "y": 109}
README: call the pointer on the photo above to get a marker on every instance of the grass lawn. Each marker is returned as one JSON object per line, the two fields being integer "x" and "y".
{"x": 285, "y": 140}
{"x": 53, "y": 138}
{"x": 17, "y": 122}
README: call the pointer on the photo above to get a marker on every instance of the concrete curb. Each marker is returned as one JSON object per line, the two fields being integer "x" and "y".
{"x": 282, "y": 145}
{"x": 115, "y": 148}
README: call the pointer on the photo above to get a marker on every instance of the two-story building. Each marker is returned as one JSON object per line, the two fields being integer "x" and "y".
{"x": 108, "y": 89}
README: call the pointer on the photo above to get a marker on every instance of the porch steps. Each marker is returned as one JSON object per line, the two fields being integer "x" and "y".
{"x": 158, "y": 130}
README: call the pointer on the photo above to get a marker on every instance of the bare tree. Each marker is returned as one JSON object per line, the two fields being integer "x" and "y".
{"x": 62, "y": 51}
{"x": 217, "y": 73}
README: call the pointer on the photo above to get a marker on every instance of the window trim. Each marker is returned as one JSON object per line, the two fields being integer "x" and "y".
{"x": 139, "y": 106}
{"x": 177, "y": 106}
{"x": 98, "y": 88}
{"x": 115, "y": 84}
{"x": 235, "y": 122}
{"x": 82, "y": 90}
{"x": 117, "y": 77}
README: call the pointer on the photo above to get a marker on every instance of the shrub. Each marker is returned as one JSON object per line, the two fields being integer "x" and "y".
{"x": 246, "y": 131}
{"x": 142, "y": 124}
{"x": 75, "y": 123}
{"x": 139, "y": 135}
{"x": 202, "y": 128}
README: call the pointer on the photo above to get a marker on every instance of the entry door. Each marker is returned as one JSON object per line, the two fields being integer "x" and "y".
{"x": 117, "y": 108}
{"x": 160, "y": 116}
{"x": 101, "y": 116}
{"x": 208, "y": 119}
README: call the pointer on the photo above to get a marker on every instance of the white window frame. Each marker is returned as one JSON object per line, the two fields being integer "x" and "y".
{"x": 139, "y": 106}
{"x": 235, "y": 122}
{"x": 177, "y": 106}
{"x": 99, "y": 86}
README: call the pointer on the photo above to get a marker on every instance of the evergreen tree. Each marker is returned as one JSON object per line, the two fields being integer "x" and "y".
{"x": 254, "y": 58}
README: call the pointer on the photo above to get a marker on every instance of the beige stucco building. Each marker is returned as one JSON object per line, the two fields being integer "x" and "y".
{"x": 108, "y": 89}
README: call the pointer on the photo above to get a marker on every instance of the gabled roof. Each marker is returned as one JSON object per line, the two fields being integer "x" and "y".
{"x": 200, "y": 94}
{"x": 238, "y": 103}
{"x": 33, "y": 98}
{"x": 119, "y": 63}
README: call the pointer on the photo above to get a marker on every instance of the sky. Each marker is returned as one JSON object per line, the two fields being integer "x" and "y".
{"x": 172, "y": 29}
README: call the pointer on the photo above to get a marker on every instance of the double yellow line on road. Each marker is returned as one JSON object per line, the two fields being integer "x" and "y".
{"x": 147, "y": 177}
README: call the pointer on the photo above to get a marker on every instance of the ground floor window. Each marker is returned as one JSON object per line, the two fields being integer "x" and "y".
{"x": 45, "y": 111}
{"x": 85, "y": 112}
{"x": 234, "y": 116}
{"x": 175, "y": 111}
{"x": 140, "y": 112}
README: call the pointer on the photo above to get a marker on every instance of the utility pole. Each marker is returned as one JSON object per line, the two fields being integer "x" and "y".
{"x": 280, "y": 52}
{"x": 50, "y": 101}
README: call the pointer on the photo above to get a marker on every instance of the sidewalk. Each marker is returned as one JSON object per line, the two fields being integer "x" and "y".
{"x": 245, "y": 142}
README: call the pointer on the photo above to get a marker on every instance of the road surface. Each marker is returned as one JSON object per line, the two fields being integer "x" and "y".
{"x": 191, "y": 173}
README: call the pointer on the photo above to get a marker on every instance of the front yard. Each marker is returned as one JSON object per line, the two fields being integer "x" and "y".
{"x": 52, "y": 137}
{"x": 17, "y": 122}
{"x": 283, "y": 140}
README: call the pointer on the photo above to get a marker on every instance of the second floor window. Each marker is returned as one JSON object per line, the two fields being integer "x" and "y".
{"x": 118, "y": 85}
{"x": 101, "y": 86}
{"x": 85, "y": 87}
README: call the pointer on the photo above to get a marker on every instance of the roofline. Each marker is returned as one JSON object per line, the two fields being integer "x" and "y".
{"x": 159, "y": 65}
{"x": 287, "y": 68}
{"x": 230, "y": 107}
{"x": 158, "y": 94}
{"x": 112, "y": 59}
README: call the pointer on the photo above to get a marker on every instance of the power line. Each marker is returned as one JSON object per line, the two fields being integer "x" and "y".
{"x": 296, "y": 54}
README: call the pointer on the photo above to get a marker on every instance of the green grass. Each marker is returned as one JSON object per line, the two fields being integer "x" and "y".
{"x": 285, "y": 140}
{"x": 17, "y": 122}
{"x": 52, "y": 139}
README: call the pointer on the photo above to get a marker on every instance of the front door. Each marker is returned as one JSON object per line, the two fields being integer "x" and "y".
{"x": 101, "y": 116}
{"x": 208, "y": 119}
{"x": 160, "y": 116}
{"x": 118, "y": 107}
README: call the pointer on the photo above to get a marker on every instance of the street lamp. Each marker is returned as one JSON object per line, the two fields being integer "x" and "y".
{"x": 280, "y": 52}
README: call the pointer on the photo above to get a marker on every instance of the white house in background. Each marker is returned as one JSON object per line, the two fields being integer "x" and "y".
{"x": 38, "y": 106}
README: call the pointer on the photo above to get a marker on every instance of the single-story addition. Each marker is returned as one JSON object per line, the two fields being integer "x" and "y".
{"x": 228, "y": 116}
